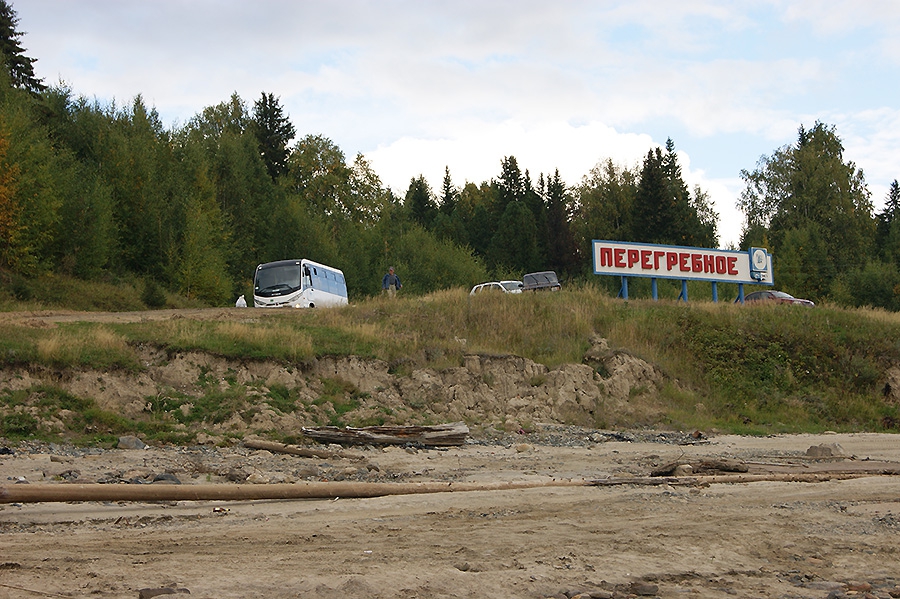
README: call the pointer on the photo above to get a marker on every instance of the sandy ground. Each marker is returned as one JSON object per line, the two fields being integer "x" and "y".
{"x": 760, "y": 539}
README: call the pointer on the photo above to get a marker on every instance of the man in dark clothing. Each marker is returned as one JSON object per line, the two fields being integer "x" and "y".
{"x": 390, "y": 283}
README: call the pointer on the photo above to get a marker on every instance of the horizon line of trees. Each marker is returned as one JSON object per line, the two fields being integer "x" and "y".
{"x": 90, "y": 191}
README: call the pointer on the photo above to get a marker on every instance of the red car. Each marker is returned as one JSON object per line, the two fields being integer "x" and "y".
{"x": 779, "y": 297}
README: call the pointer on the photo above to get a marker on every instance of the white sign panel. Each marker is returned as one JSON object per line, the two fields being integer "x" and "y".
{"x": 688, "y": 263}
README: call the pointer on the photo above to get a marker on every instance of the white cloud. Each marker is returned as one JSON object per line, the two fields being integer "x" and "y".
{"x": 475, "y": 151}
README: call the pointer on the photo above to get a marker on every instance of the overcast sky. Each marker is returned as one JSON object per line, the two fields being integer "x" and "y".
{"x": 418, "y": 85}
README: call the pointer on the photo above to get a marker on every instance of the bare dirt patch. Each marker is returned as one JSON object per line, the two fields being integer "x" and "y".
{"x": 761, "y": 539}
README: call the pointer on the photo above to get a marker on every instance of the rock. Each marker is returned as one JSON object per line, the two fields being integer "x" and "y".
{"x": 149, "y": 593}
{"x": 206, "y": 439}
{"x": 166, "y": 478}
{"x": 644, "y": 589}
{"x": 523, "y": 447}
{"x": 236, "y": 475}
{"x": 825, "y": 450}
{"x": 130, "y": 442}
{"x": 257, "y": 479}
{"x": 683, "y": 470}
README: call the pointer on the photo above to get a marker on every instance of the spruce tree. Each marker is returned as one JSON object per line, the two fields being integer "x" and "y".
{"x": 449, "y": 194}
{"x": 420, "y": 203}
{"x": 274, "y": 132}
{"x": 20, "y": 67}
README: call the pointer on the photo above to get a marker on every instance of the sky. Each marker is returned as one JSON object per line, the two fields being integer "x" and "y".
{"x": 417, "y": 86}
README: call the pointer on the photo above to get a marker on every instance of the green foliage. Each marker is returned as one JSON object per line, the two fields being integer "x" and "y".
{"x": 341, "y": 396}
{"x": 420, "y": 202}
{"x": 815, "y": 207}
{"x": 19, "y": 66}
{"x": 426, "y": 263}
{"x": 876, "y": 285}
{"x": 273, "y": 132}
{"x": 282, "y": 399}
{"x": 153, "y": 295}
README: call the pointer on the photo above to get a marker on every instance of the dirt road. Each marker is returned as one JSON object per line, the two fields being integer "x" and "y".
{"x": 760, "y": 539}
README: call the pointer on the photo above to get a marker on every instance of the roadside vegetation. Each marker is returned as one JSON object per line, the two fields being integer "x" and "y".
{"x": 731, "y": 368}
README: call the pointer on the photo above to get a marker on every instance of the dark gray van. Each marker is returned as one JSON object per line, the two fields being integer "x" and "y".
{"x": 540, "y": 281}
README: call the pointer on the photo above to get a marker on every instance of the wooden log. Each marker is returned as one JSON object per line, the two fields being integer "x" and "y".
{"x": 732, "y": 478}
{"x": 697, "y": 466}
{"x": 305, "y": 452}
{"x": 42, "y": 492}
{"x": 441, "y": 435}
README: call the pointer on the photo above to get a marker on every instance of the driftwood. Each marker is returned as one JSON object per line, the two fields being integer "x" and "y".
{"x": 35, "y": 493}
{"x": 724, "y": 479}
{"x": 441, "y": 435}
{"x": 305, "y": 452}
{"x": 701, "y": 466}
{"x": 42, "y": 492}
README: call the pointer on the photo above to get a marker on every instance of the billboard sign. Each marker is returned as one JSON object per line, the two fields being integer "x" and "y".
{"x": 629, "y": 259}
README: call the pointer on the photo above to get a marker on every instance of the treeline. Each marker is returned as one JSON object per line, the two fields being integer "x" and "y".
{"x": 94, "y": 191}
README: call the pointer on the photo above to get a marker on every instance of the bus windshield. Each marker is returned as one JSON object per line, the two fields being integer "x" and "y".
{"x": 277, "y": 280}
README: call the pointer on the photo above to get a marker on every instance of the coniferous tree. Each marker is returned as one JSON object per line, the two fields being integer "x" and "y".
{"x": 561, "y": 248}
{"x": 516, "y": 241}
{"x": 420, "y": 202}
{"x": 885, "y": 220}
{"x": 654, "y": 208}
{"x": 274, "y": 132}
{"x": 510, "y": 186}
{"x": 449, "y": 194}
{"x": 19, "y": 66}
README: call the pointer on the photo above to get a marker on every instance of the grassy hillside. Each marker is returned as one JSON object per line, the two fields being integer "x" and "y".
{"x": 745, "y": 369}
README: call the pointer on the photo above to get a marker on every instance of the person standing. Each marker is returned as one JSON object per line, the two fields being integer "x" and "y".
{"x": 390, "y": 283}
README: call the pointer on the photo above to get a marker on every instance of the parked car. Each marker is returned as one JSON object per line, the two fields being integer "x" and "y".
{"x": 497, "y": 287}
{"x": 778, "y": 297}
{"x": 512, "y": 286}
{"x": 540, "y": 281}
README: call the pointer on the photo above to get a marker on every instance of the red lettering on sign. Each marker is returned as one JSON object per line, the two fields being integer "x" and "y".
{"x": 645, "y": 259}
{"x": 633, "y": 257}
{"x": 620, "y": 255}
{"x": 696, "y": 262}
{"x": 671, "y": 260}
{"x": 606, "y": 257}
{"x": 683, "y": 262}
{"x": 709, "y": 263}
{"x": 721, "y": 266}
{"x": 657, "y": 254}
{"x": 732, "y": 269}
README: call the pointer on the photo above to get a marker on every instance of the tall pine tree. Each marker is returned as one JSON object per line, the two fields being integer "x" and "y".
{"x": 274, "y": 132}
{"x": 19, "y": 66}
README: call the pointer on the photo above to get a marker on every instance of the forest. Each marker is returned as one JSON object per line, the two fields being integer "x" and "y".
{"x": 104, "y": 192}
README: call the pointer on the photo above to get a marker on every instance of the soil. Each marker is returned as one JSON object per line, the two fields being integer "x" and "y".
{"x": 679, "y": 538}
{"x": 618, "y": 532}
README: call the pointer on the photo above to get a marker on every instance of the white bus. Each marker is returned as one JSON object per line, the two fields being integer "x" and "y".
{"x": 298, "y": 284}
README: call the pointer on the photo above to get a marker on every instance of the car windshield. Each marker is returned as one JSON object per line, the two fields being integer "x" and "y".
{"x": 782, "y": 295}
{"x": 512, "y": 285}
